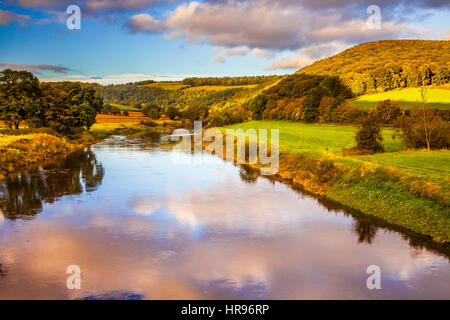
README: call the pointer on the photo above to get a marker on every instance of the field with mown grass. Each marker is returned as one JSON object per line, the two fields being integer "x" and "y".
{"x": 407, "y": 98}
{"x": 328, "y": 140}
{"x": 124, "y": 108}
{"x": 176, "y": 85}
{"x": 298, "y": 137}
{"x": 406, "y": 188}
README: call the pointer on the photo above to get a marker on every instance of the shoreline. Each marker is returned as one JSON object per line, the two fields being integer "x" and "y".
{"x": 390, "y": 208}
{"x": 374, "y": 192}
{"x": 30, "y": 148}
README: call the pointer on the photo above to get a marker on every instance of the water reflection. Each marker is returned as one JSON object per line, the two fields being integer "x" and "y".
{"x": 366, "y": 227}
{"x": 24, "y": 195}
{"x": 155, "y": 230}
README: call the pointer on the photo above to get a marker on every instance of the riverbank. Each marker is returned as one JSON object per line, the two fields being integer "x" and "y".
{"x": 24, "y": 148}
{"x": 410, "y": 189}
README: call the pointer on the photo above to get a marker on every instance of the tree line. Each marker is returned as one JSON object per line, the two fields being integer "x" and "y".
{"x": 229, "y": 81}
{"x": 385, "y": 65}
{"x": 62, "y": 106}
{"x": 129, "y": 94}
{"x": 322, "y": 99}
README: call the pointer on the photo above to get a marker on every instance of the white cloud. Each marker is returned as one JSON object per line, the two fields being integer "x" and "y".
{"x": 263, "y": 28}
{"x": 225, "y": 52}
{"x": 145, "y": 23}
{"x": 290, "y": 63}
{"x": 118, "y": 78}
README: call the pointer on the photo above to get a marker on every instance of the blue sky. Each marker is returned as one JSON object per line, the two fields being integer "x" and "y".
{"x": 122, "y": 41}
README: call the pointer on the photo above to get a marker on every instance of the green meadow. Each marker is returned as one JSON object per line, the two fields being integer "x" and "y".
{"x": 124, "y": 108}
{"x": 168, "y": 85}
{"x": 406, "y": 188}
{"x": 320, "y": 140}
{"x": 407, "y": 98}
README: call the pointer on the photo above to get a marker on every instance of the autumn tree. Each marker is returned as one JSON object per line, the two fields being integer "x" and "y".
{"x": 152, "y": 111}
{"x": 19, "y": 96}
{"x": 54, "y": 110}
{"x": 369, "y": 138}
{"x": 425, "y": 118}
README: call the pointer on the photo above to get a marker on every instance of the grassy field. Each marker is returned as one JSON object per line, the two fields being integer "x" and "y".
{"x": 406, "y": 188}
{"x": 298, "y": 137}
{"x": 124, "y": 108}
{"x": 320, "y": 140}
{"x": 407, "y": 98}
{"x": 168, "y": 85}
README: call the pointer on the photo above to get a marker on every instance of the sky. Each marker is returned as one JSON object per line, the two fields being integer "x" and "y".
{"x": 123, "y": 41}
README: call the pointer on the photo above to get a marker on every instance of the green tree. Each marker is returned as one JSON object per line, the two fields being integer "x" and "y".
{"x": 19, "y": 96}
{"x": 388, "y": 111}
{"x": 152, "y": 111}
{"x": 85, "y": 103}
{"x": 54, "y": 110}
{"x": 258, "y": 105}
{"x": 172, "y": 112}
{"x": 369, "y": 138}
{"x": 310, "y": 105}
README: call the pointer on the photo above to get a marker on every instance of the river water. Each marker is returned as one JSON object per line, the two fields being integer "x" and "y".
{"x": 143, "y": 222}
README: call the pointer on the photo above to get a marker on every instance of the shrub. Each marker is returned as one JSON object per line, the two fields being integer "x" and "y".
{"x": 388, "y": 111}
{"x": 326, "y": 170}
{"x": 151, "y": 111}
{"x": 172, "y": 113}
{"x": 258, "y": 105}
{"x": 413, "y": 128}
{"x": 346, "y": 113}
{"x": 149, "y": 123}
{"x": 310, "y": 105}
{"x": 369, "y": 138}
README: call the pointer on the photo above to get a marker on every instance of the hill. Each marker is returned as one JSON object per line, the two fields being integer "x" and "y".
{"x": 437, "y": 98}
{"x": 385, "y": 65}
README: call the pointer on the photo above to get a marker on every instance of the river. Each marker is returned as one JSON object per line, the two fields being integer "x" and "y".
{"x": 143, "y": 222}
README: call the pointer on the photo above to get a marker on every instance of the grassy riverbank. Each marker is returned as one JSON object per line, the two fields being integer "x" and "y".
{"x": 408, "y": 188}
{"x": 20, "y": 149}
{"x": 23, "y": 148}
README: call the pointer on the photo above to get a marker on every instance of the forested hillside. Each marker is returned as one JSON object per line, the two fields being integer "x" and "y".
{"x": 385, "y": 65}
{"x": 229, "y": 81}
{"x": 181, "y": 97}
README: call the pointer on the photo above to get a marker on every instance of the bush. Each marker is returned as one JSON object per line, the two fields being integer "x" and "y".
{"x": 258, "y": 105}
{"x": 151, "y": 111}
{"x": 326, "y": 170}
{"x": 227, "y": 116}
{"x": 195, "y": 112}
{"x": 388, "y": 111}
{"x": 412, "y": 129}
{"x": 149, "y": 123}
{"x": 369, "y": 138}
{"x": 346, "y": 113}
{"x": 310, "y": 106}
{"x": 172, "y": 113}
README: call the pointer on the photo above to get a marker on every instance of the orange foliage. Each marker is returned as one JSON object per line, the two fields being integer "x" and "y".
{"x": 133, "y": 117}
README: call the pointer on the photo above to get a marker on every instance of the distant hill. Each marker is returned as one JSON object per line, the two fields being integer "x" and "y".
{"x": 384, "y": 65}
